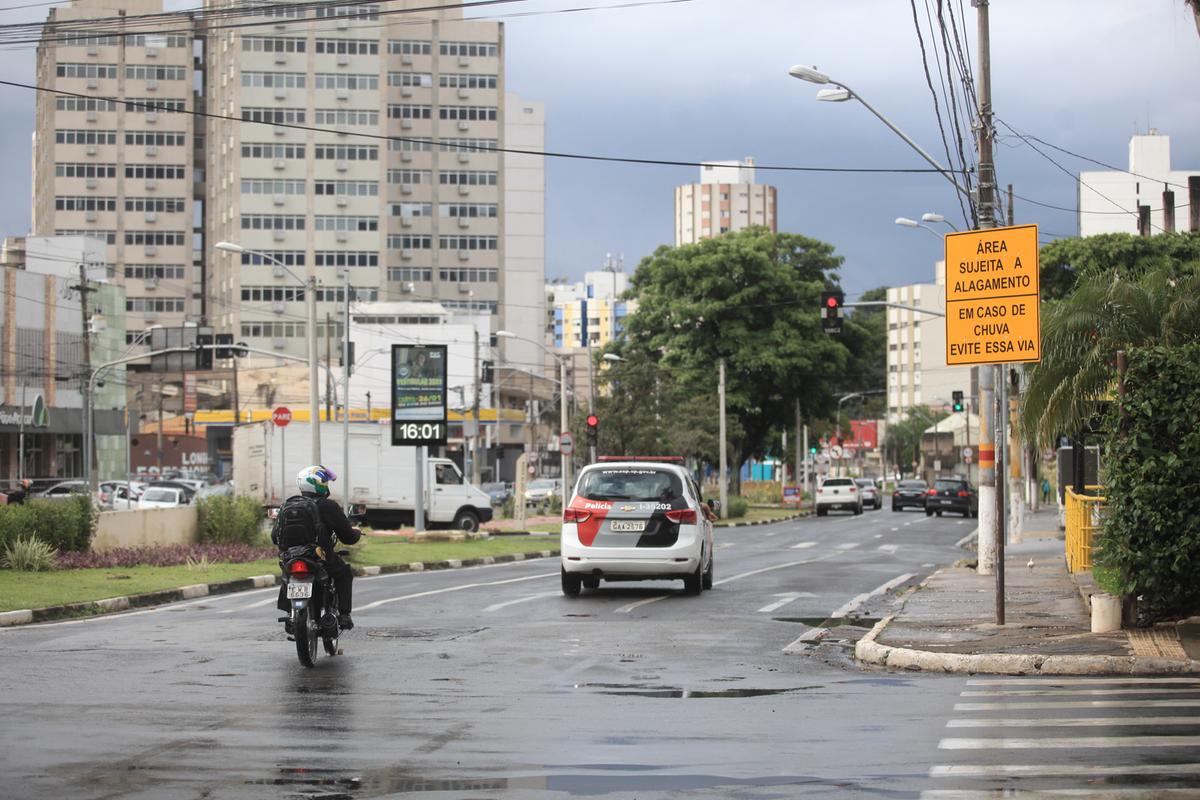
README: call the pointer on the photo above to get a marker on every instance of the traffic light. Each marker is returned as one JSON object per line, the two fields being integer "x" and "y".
{"x": 487, "y": 375}
{"x": 831, "y": 311}
{"x": 342, "y": 357}
{"x": 224, "y": 349}
{"x": 593, "y": 429}
{"x": 812, "y": 449}
{"x": 957, "y": 397}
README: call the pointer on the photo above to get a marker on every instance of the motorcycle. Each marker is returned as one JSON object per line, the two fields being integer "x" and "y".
{"x": 314, "y": 613}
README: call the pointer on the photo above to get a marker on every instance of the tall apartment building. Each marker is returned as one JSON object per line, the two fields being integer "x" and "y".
{"x": 123, "y": 173}
{"x": 391, "y": 171}
{"x": 726, "y": 199}
{"x": 1157, "y": 197}
{"x": 359, "y": 137}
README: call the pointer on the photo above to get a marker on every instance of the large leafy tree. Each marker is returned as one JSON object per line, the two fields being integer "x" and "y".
{"x": 1081, "y": 335}
{"x": 1066, "y": 261}
{"x": 751, "y": 298}
{"x": 903, "y": 444}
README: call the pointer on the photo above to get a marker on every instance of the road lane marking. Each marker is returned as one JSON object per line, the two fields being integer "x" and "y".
{"x": 1071, "y": 722}
{"x": 1073, "y": 704}
{"x": 787, "y": 597}
{"x": 499, "y": 606}
{"x": 803, "y": 545}
{"x": 458, "y": 588}
{"x": 862, "y": 598}
{"x": 1059, "y": 770}
{"x": 1059, "y": 692}
{"x": 1076, "y": 681}
{"x": 259, "y": 604}
{"x": 798, "y": 646}
{"x": 889, "y": 548}
{"x": 847, "y": 545}
{"x": 895, "y": 529}
{"x": 1045, "y": 794}
{"x": 1069, "y": 742}
{"x": 723, "y": 545}
{"x": 638, "y": 604}
{"x": 879, "y": 536}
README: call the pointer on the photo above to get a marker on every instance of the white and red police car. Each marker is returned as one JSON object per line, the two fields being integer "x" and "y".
{"x": 636, "y": 519}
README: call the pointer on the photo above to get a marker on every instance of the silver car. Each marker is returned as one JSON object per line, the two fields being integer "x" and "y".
{"x": 870, "y": 493}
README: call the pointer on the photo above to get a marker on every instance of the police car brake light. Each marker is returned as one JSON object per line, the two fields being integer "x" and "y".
{"x": 682, "y": 516}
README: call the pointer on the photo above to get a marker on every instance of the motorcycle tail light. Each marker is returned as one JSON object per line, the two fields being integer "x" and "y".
{"x": 298, "y": 568}
{"x": 576, "y": 515}
{"x": 682, "y": 516}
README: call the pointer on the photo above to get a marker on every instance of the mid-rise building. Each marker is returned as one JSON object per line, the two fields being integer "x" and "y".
{"x": 1156, "y": 197}
{"x": 113, "y": 150}
{"x": 726, "y": 199}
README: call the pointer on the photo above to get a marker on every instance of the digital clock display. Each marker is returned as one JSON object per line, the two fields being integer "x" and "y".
{"x": 418, "y": 394}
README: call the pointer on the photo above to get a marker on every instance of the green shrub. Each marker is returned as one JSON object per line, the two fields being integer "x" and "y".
{"x": 29, "y": 555}
{"x": 62, "y": 524}
{"x": 736, "y": 507}
{"x": 1150, "y": 541}
{"x": 222, "y": 519}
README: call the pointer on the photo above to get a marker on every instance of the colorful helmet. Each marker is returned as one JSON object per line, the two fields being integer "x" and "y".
{"x": 315, "y": 480}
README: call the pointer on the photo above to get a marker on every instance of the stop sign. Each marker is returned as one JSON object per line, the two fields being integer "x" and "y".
{"x": 281, "y": 416}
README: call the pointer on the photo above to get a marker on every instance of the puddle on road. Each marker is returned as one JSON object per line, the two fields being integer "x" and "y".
{"x": 675, "y": 692}
{"x": 831, "y": 622}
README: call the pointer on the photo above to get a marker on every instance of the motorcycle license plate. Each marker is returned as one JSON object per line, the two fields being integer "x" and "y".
{"x": 299, "y": 591}
{"x": 628, "y": 526}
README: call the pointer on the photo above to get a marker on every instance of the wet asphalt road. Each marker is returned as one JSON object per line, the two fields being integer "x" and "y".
{"x": 487, "y": 682}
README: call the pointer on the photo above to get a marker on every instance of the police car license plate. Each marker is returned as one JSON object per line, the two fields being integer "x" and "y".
{"x": 299, "y": 590}
{"x": 628, "y": 525}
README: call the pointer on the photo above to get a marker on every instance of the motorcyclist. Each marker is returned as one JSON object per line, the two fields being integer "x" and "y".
{"x": 17, "y": 496}
{"x": 314, "y": 482}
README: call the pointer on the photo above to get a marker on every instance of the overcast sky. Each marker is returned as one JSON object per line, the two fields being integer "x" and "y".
{"x": 704, "y": 80}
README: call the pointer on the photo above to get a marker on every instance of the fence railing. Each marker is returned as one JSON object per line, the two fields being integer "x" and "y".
{"x": 1085, "y": 513}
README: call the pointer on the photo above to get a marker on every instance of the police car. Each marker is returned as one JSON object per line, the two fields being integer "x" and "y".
{"x": 634, "y": 519}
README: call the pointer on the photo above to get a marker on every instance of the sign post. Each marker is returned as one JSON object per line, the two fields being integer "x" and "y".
{"x": 281, "y": 417}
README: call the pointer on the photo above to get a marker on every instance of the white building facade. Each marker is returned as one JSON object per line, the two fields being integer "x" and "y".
{"x": 726, "y": 199}
{"x": 1156, "y": 197}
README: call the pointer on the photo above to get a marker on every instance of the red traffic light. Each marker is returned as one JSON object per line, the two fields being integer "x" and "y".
{"x": 831, "y": 301}
{"x": 593, "y": 421}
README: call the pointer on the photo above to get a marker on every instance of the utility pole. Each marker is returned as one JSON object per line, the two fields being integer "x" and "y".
{"x": 346, "y": 389}
{"x": 159, "y": 444}
{"x": 722, "y": 477}
{"x": 328, "y": 362}
{"x": 991, "y": 448}
{"x": 89, "y": 439}
{"x": 475, "y": 414}
{"x": 800, "y": 454}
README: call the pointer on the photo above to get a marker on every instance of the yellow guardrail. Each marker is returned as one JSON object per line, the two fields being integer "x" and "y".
{"x": 1085, "y": 513}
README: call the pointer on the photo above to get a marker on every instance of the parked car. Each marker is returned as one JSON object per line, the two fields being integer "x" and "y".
{"x": 637, "y": 519}
{"x": 162, "y": 497}
{"x": 952, "y": 494}
{"x": 542, "y": 490}
{"x": 839, "y": 494}
{"x": 64, "y": 490}
{"x": 120, "y": 495}
{"x": 498, "y": 491}
{"x": 189, "y": 491}
{"x": 910, "y": 493}
{"x": 869, "y": 493}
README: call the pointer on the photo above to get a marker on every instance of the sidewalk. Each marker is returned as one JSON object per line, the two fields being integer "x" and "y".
{"x": 948, "y": 624}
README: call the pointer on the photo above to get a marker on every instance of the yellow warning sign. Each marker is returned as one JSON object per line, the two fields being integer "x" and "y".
{"x": 992, "y": 296}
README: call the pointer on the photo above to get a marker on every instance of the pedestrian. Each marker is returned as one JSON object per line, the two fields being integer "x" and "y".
{"x": 1045, "y": 490}
{"x": 17, "y": 496}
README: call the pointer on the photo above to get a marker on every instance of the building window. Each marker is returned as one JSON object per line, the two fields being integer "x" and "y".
{"x": 409, "y": 47}
{"x": 475, "y": 49}
{"x": 348, "y": 188}
{"x": 471, "y": 113}
{"x": 338, "y": 80}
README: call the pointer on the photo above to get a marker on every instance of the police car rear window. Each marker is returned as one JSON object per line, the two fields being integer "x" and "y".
{"x": 630, "y": 483}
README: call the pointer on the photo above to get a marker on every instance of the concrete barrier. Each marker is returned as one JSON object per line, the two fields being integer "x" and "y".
{"x": 145, "y": 527}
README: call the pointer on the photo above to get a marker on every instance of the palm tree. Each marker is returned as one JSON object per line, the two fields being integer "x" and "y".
{"x": 1195, "y": 6}
{"x": 1082, "y": 334}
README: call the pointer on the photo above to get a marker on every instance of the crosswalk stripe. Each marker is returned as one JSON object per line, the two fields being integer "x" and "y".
{"x": 1065, "y": 692}
{"x": 1060, "y": 770}
{"x": 1050, "y": 794}
{"x": 1069, "y": 704}
{"x": 1077, "y": 681}
{"x": 1072, "y": 742}
{"x": 1073, "y": 722}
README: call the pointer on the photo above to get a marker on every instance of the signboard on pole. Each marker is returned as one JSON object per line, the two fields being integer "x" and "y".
{"x": 281, "y": 416}
{"x": 993, "y": 296}
{"x": 418, "y": 394}
{"x": 792, "y": 495}
{"x": 566, "y": 443}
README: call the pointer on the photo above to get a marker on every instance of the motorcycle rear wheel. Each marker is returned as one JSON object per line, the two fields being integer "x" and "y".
{"x": 306, "y": 635}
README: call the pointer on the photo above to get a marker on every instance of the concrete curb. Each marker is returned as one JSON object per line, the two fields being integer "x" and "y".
{"x": 869, "y": 651}
{"x": 113, "y": 605}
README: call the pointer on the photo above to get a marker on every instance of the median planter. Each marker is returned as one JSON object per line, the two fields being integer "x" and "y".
{"x": 1106, "y": 613}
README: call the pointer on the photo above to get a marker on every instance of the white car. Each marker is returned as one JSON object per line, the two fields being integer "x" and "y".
{"x": 161, "y": 497}
{"x": 542, "y": 490}
{"x": 634, "y": 519}
{"x": 839, "y": 494}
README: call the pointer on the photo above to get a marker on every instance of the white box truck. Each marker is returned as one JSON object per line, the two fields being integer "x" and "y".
{"x": 266, "y": 459}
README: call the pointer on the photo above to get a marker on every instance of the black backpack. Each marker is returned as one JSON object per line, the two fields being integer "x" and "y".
{"x": 298, "y": 523}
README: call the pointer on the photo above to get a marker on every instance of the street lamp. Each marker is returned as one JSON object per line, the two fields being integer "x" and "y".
{"x": 564, "y": 459}
{"x": 905, "y": 222}
{"x": 842, "y": 93}
{"x": 314, "y": 396}
{"x": 929, "y": 216}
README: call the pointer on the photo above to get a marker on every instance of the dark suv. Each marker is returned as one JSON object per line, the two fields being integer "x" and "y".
{"x": 952, "y": 494}
{"x": 909, "y": 493}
